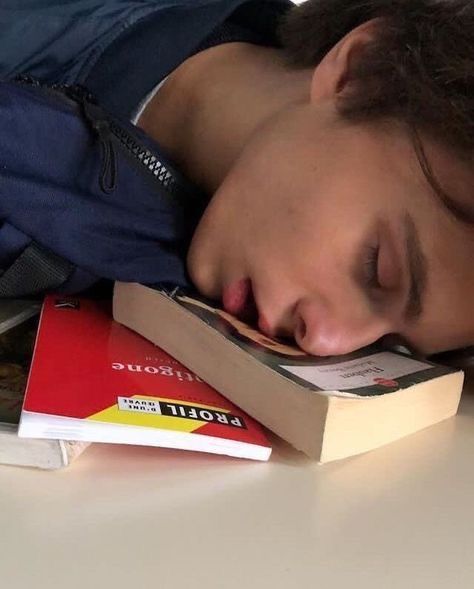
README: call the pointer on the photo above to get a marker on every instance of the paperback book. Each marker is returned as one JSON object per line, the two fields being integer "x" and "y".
{"x": 329, "y": 408}
{"x": 94, "y": 380}
{"x": 18, "y": 325}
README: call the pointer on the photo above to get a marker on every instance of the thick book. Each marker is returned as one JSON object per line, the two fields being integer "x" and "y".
{"x": 329, "y": 408}
{"x": 18, "y": 325}
{"x": 94, "y": 380}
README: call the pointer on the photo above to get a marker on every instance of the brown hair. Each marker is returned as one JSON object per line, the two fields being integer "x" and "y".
{"x": 419, "y": 69}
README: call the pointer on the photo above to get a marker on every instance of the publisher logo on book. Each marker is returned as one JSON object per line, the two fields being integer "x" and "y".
{"x": 180, "y": 411}
{"x": 386, "y": 382}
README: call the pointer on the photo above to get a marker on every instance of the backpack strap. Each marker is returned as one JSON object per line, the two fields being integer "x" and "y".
{"x": 34, "y": 271}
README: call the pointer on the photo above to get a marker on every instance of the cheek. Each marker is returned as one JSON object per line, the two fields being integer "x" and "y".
{"x": 270, "y": 185}
{"x": 289, "y": 231}
{"x": 266, "y": 217}
{"x": 301, "y": 231}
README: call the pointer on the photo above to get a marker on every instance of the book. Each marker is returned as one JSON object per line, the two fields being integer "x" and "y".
{"x": 18, "y": 325}
{"x": 461, "y": 358}
{"x": 330, "y": 408}
{"x": 94, "y": 380}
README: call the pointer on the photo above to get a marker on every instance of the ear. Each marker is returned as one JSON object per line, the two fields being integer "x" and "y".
{"x": 333, "y": 74}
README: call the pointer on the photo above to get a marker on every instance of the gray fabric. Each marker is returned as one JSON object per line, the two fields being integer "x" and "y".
{"x": 36, "y": 270}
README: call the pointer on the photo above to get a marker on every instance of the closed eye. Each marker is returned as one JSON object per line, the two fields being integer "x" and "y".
{"x": 371, "y": 265}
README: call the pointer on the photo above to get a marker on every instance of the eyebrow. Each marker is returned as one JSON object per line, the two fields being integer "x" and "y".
{"x": 417, "y": 270}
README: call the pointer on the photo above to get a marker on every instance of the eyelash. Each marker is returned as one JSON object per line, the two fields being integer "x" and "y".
{"x": 371, "y": 267}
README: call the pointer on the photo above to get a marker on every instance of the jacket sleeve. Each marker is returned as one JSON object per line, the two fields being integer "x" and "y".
{"x": 59, "y": 42}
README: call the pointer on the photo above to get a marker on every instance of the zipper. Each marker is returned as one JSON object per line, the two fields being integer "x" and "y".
{"x": 147, "y": 160}
{"x": 108, "y": 130}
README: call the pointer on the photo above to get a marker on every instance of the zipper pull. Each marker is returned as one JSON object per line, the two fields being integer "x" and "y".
{"x": 82, "y": 96}
{"x": 108, "y": 173}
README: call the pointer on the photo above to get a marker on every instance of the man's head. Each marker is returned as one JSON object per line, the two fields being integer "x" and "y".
{"x": 351, "y": 214}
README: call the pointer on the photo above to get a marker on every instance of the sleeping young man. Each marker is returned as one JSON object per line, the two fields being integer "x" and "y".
{"x": 334, "y": 141}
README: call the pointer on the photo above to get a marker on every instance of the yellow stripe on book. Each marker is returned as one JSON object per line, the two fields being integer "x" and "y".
{"x": 161, "y": 413}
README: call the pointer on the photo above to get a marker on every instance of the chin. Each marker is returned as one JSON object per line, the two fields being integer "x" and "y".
{"x": 201, "y": 262}
{"x": 202, "y": 275}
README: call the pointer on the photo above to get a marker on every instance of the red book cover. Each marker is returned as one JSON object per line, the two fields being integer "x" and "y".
{"x": 93, "y": 379}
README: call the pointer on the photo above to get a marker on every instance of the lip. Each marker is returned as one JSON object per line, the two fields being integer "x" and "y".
{"x": 264, "y": 326}
{"x": 238, "y": 299}
{"x": 236, "y": 295}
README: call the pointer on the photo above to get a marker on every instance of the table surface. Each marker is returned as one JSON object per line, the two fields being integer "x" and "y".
{"x": 121, "y": 516}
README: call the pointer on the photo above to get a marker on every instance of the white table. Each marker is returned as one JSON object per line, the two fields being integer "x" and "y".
{"x": 126, "y": 517}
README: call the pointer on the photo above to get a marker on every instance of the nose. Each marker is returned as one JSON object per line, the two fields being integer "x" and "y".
{"x": 326, "y": 331}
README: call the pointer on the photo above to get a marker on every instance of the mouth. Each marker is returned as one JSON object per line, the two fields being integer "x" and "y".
{"x": 238, "y": 299}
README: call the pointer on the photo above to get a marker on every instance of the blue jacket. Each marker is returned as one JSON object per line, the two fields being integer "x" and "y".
{"x": 119, "y": 49}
